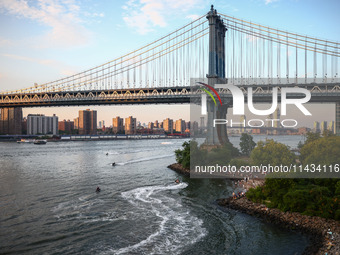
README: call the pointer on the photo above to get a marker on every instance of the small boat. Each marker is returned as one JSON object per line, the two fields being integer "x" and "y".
{"x": 40, "y": 142}
{"x": 26, "y": 141}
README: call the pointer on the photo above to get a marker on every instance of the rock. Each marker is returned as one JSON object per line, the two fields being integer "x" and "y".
{"x": 179, "y": 169}
{"x": 315, "y": 227}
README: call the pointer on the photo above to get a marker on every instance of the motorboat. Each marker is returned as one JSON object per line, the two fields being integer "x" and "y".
{"x": 40, "y": 142}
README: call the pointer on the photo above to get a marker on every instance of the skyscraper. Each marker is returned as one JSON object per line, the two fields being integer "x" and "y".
{"x": 168, "y": 125}
{"x": 316, "y": 127}
{"x": 151, "y": 125}
{"x": 117, "y": 125}
{"x": 180, "y": 126}
{"x": 331, "y": 126}
{"x": 66, "y": 126}
{"x": 323, "y": 126}
{"x": 39, "y": 124}
{"x": 11, "y": 121}
{"x": 130, "y": 126}
{"x": 243, "y": 124}
{"x": 87, "y": 122}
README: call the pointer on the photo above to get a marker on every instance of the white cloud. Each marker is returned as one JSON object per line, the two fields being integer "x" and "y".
{"x": 270, "y": 1}
{"x": 61, "y": 67}
{"x": 145, "y": 15}
{"x": 192, "y": 16}
{"x": 62, "y": 17}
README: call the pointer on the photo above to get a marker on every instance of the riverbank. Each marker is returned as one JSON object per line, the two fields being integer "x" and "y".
{"x": 324, "y": 233}
{"x": 179, "y": 169}
{"x": 315, "y": 227}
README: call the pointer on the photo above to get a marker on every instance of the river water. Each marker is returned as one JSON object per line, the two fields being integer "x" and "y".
{"x": 48, "y": 204}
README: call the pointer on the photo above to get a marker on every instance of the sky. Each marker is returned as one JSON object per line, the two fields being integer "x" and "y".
{"x": 44, "y": 40}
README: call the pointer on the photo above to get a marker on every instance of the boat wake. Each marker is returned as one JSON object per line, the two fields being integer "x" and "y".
{"x": 176, "y": 227}
{"x": 84, "y": 209}
{"x": 143, "y": 159}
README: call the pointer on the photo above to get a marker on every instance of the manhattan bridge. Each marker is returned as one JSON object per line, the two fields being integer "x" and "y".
{"x": 216, "y": 46}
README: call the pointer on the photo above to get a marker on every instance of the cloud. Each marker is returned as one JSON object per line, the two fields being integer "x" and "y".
{"x": 61, "y": 67}
{"x": 145, "y": 15}
{"x": 270, "y": 1}
{"x": 4, "y": 42}
{"x": 192, "y": 16}
{"x": 62, "y": 17}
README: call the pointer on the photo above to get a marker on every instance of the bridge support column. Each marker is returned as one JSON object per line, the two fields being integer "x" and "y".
{"x": 337, "y": 118}
{"x": 216, "y": 136}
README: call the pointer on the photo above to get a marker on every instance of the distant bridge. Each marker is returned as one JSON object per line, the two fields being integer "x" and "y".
{"x": 217, "y": 46}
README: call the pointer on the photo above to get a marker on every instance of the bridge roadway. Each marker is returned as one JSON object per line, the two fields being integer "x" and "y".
{"x": 321, "y": 93}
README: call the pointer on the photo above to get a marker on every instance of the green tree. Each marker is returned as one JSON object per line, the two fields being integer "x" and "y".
{"x": 310, "y": 137}
{"x": 222, "y": 155}
{"x": 324, "y": 151}
{"x": 247, "y": 144}
{"x": 273, "y": 153}
{"x": 327, "y": 133}
{"x": 183, "y": 156}
{"x": 190, "y": 153}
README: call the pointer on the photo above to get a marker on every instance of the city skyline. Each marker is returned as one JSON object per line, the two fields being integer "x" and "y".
{"x": 36, "y": 44}
{"x": 149, "y": 119}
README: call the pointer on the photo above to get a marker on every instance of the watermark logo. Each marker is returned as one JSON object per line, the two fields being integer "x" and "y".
{"x": 289, "y": 96}
{"x": 204, "y": 97}
{"x": 238, "y": 99}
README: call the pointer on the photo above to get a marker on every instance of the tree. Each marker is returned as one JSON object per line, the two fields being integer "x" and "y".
{"x": 327, "y": 133}
{"x": 190, "y": 153}
{"x": 272, "y": 153}
{"x": 324, "y": 151}
{"x": 247, "y": 144}
{"x": 183, "y": 156}
{"x": 310, "y": 137}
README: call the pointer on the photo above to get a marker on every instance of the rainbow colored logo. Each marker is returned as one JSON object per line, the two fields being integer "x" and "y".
{"x": 209, "y": 93}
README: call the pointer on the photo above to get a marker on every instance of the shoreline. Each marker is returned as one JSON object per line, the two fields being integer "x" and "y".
{"x": 314, "y": 227}
{"x": 179, "y": 169}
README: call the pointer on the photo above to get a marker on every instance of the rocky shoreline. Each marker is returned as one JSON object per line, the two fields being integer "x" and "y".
{"x": 179, "y": 169}
{"x": 316, "y": 228}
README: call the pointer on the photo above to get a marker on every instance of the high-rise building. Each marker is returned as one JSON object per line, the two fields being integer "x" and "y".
{"x": 76, "y": 123}
{"x": 11, "y": 121}
{"x": 323, "y": 126}
{"x": 151, "y": 125}
{"x": 39, "y": 124}
{"x": 243, "y": 124}
{"x": 87, "y": 122}
{"x": 168, "y": 125}
{"x": 130, "y": 125}
{"x": 194, "y": 128}
{"x": 66, "y": 126}
{"x": 100, "y": 124}
{"x": 331, "y": 126}
{"x": 316, "y": 127}
{"x": 156, "y": 124}
{"x": 180, "y": 126}
{"x": 117, "y": 125}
